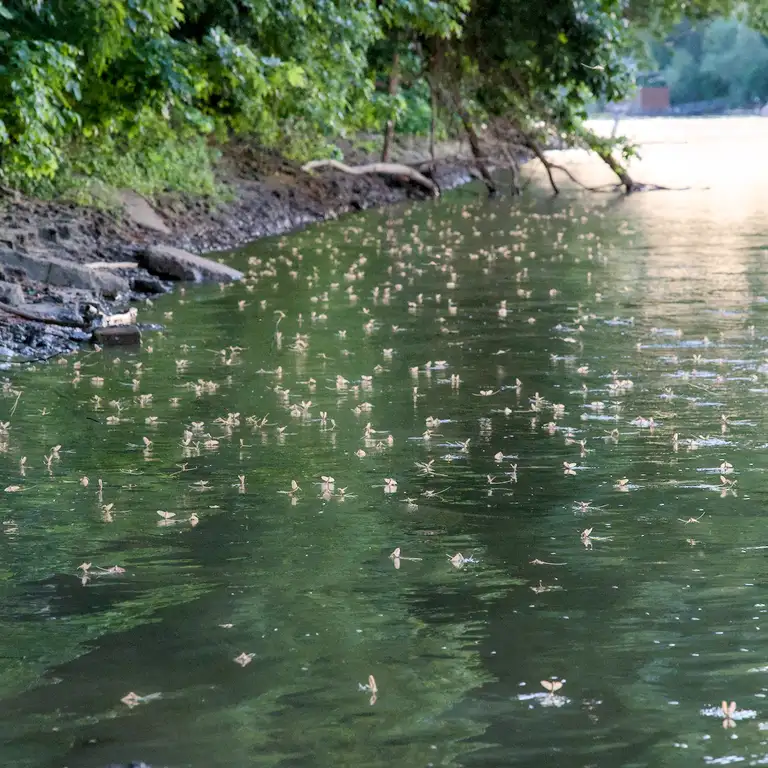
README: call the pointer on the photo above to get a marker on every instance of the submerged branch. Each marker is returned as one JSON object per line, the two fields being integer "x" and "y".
{"x": 564, "y": 170}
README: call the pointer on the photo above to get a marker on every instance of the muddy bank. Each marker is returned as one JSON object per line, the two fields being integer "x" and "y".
{"x": 67, "y": 271}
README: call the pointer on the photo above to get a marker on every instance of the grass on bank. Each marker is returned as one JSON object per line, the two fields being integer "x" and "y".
{"x": 92, "y": 172}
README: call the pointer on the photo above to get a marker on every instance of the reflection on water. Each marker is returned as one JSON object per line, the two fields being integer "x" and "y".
{"x": 566, "y": 393}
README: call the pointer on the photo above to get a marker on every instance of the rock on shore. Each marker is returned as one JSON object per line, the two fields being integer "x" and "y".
{"x": 49, "y": 269}
{"x": 177, "y": 264}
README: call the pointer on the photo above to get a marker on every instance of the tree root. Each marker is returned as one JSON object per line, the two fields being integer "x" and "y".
{"x": 384, "y": 169}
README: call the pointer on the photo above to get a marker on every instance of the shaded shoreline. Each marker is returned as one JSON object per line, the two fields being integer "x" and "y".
{"x": 89, "y": 247}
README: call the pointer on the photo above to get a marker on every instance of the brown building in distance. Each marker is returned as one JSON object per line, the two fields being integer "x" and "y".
{"x": 651, "y": 99}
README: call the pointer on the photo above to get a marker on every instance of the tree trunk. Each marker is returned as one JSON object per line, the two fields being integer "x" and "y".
{"x": 474, "y": 143}
{"x": 514, "y": 168}
{"x": 626, "y": 180}
{"x": 530, "y": 142}
{"x": 615, "y": 125}
{"x": 599, "y": 147}
{"x": 433, "y": 120}
{"x": 389, "y": 130}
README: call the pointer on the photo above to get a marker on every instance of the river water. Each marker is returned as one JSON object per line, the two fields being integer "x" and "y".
{"x": 569, "y": 393}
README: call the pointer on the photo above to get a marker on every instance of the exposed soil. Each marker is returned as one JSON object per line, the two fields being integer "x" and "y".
{"x": 273, "y": 195}
{"x": 270, "y": 195}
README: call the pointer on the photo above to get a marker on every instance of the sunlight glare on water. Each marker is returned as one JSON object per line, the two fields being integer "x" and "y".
{"x": 568, "y": 393}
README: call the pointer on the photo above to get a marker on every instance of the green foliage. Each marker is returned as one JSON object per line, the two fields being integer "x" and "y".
{"x": 439, "y": 18}
{"x": 149, "y": 165}
{"x": 87, "y": 87}
{"x": 74, "y": 71}
{"x": 538, "y": 65}
{"x": 39, "y": 84}
{"x": 150, "y": 160}
{"x": 415, "y": 114}
{"x": 721, "y": 59}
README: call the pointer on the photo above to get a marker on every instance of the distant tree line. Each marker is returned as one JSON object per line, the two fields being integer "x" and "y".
{"x": 719, "y": 60}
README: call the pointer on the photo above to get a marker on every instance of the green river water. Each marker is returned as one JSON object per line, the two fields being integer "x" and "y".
{"x": 485, "y": 378}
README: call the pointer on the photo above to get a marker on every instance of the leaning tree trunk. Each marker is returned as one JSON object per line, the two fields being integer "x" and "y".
{"x": 514, "y": 169}
{"x": 616, "y": 118}
{"x": 433, "y": 119}
{"x": 598, "y": 146}
{"x": 629, "y": 184}
{"x": 474, "y": 143}
{"x": 503, "y": 142}
{"x": 389, "y": 130}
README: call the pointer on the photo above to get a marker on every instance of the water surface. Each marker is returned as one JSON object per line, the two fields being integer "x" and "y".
{"x": 491, "y": 379}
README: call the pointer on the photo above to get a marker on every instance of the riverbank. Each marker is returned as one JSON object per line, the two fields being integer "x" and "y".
{"x": 66, "y": 269}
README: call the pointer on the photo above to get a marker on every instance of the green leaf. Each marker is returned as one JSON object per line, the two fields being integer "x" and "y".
{"x": 295, "y": 76}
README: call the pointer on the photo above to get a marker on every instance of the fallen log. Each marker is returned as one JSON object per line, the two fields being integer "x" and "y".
{"x": 384, "y": 169}
{"x": 113, "y": 265}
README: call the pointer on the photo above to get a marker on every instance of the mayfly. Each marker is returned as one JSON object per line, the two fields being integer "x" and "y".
{"x": 459, "y": 561}
{"x": 294, "y": 489}
{"x": 728, "y": 712}
{"x": 396, "y": 557}
{"x": 371, "y": 688}
{"x": 552, "y": 686}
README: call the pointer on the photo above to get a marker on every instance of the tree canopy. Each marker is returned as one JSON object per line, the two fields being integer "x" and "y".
{"x": 296, "y": 74}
